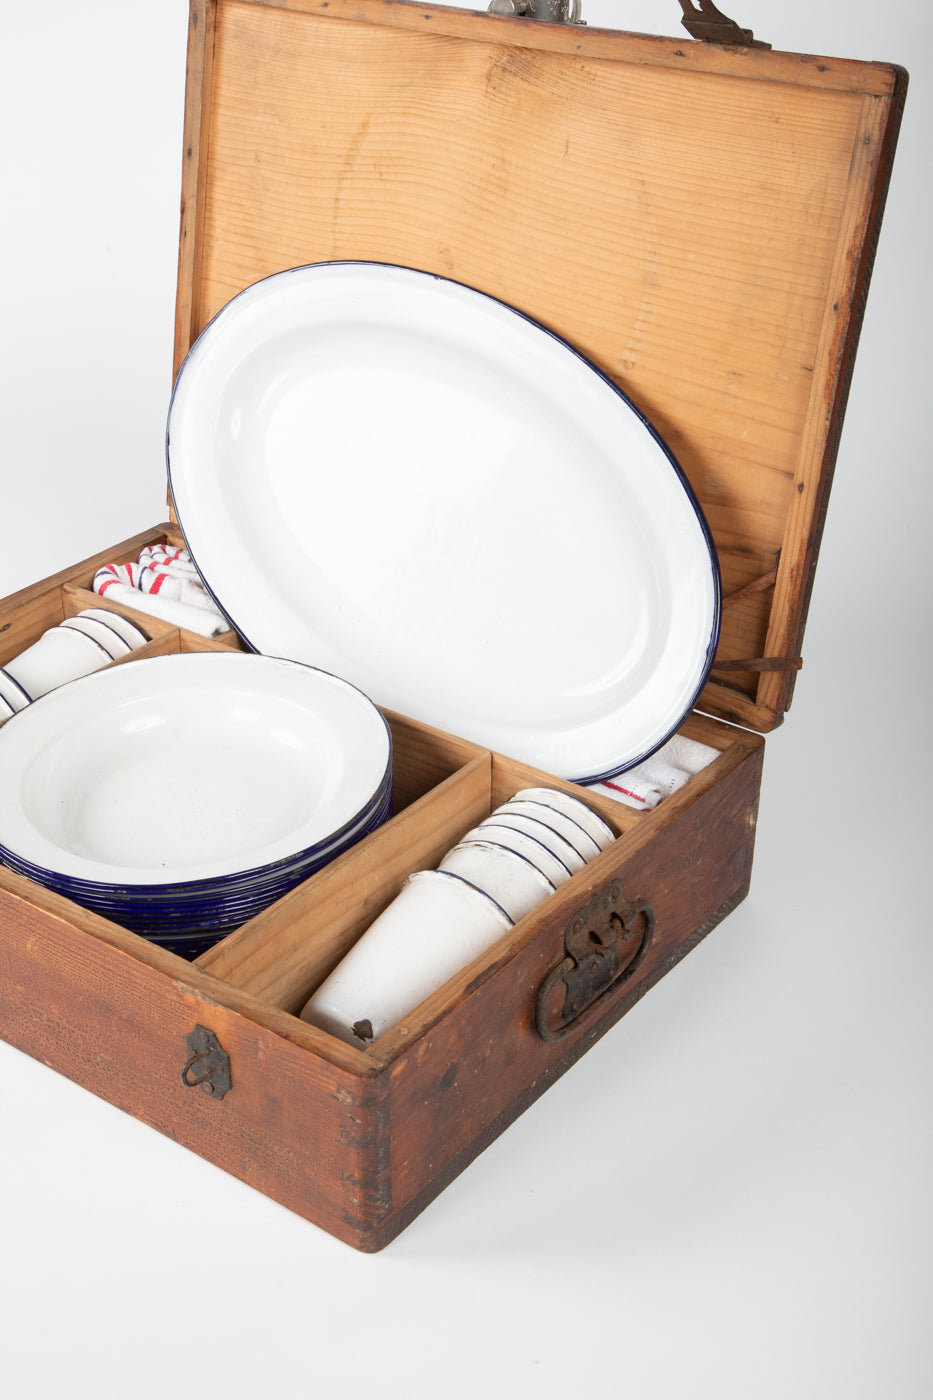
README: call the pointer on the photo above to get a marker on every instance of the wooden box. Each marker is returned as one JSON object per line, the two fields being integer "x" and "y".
{"x": 700, "y": 221}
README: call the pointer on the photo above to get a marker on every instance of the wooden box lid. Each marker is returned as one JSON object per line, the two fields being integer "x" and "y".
{"x": 699, "y": 220}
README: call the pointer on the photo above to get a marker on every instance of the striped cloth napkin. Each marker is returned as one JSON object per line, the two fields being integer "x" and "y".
{"x": 164, "y": 583}
{"x": 657, "y": 777}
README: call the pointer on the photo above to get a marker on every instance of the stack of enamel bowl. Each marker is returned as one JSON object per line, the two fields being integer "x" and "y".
{"x": 442, "y": 919}
{"x": 181, "y": 795}
{"x": 78, "y": 646}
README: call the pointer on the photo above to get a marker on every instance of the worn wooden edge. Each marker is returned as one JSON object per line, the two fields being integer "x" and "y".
{"x": 202, "y": 18}
{"x": 845, "y": 350}
{"x": 869, "y": 176}
{"x": 847, "y": 75}
{"x": 201, "y": 25}
{"x": 735, "y": 707}
{"x": 378, "y": 1238}
{"x": 718, "y": 733}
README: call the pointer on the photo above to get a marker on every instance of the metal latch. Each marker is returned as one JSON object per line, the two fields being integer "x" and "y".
{"x": 208, "y": 1066}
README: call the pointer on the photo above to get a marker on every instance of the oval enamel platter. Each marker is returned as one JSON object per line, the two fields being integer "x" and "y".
{"x": 268, "y": 758}
{"x": 407, "y": 483}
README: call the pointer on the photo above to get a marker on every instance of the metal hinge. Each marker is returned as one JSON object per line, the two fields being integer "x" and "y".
{"x": 703, "y": 21}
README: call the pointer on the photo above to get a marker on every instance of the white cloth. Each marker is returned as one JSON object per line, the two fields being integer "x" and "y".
{"x": 630, "y": 789}
{"x": 657, "y": 777}
{"x": 687, "y": 754}
{"x": 166, "y": 578}
{"x": 169, "y": 560}
{"x": 199, "y": 620}
{"x": 164, "y": 583}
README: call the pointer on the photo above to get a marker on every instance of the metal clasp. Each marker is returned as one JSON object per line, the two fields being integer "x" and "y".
{"x": 603, "y": 944}
{"x": 703, "y": 21}
{"x": 208, "y": 1065}
{"x": 554, "y": 11}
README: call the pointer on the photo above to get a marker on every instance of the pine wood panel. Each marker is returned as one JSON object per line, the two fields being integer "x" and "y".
{"x": 201, "y": 26}
{"x": 696, "y": 220}
{"x": 678, "y": 52}
{"x": 423, "y": 758}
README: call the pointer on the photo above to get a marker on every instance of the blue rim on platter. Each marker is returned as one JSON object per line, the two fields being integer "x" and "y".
{"x": 267, "y": 629}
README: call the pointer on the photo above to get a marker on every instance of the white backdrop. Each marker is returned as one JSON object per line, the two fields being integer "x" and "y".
{"x": 764, "y": 1114}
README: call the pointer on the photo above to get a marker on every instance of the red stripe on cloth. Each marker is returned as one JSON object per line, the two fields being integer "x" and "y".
{"x": 627, "y": 792}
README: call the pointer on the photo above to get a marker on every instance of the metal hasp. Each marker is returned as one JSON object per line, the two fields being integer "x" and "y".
{"x": 208, "y": 1064}
{"x": 704, "y": 21}
{"x": 604, "y": 943}
{"x": 554, "y": 11}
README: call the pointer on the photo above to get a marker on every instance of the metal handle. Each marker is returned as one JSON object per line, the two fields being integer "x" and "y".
{"x": 604, "y": 943}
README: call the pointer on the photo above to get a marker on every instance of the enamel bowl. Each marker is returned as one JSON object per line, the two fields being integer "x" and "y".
{"x": 281, "y": 768}
{"x": 541, "y": 831}
{"x": 571, "y": 830}
{"x": 562, "y": 801}
{"x": 495, "y": 833}
{"x": 276, "y": 758}
{"x": 12, "y": 692}
{"x": 130, "y": 633}
{"x": 60, "y": 655}
{"x": 513, "y": 881}
{"x": 101, "y": 632}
